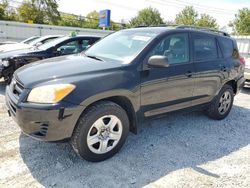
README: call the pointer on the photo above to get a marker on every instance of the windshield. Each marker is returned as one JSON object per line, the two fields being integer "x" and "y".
{"x": 53, "y": 43}
{"x": 122, "y": 46}
{"x": 44, "y": 40}
{"x": 29, "y": 40}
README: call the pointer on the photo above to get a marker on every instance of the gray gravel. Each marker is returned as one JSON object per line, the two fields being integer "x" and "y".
{"x": 180, "y": 150}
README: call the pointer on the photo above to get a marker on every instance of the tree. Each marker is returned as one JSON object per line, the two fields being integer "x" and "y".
{"x": 39, "y": 11}
{"x": 241, "y": 23}
{"x": 70, "y": 20}
{"x": 3, "y": 7}
{"x": 92, "y": 20}
{"x": 188, "y": 16}
{"x": 148, "y": 16}
{"x": 6, "y": 12}
{"x": 29, "y": 11}
{"x": 207, "y": 21}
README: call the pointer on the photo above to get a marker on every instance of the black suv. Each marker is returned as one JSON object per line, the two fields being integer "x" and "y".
{"x": 95, "y": 98}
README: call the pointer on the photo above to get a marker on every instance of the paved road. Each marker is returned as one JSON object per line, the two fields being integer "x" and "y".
{"x": 179, "y": 150}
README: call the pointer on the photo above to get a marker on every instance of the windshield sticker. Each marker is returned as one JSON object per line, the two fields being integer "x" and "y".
{"x": 141, "y": 38}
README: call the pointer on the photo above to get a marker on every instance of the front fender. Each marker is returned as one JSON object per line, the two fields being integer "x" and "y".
{"x": 133, "y": 97}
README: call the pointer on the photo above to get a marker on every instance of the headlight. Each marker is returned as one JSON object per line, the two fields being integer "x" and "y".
{"x": 50, "y": 94}
{"x": 5, "y": 63}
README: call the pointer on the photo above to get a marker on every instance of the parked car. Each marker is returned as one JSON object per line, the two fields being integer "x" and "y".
{"x": 37, "y": 42}
{"x": 30, "y": 39}
{"x": 247, "y": 73}
{"x": 62, "y": 46}
{"x": 95, "y": 98}
{"x": 7, "y": 42}
{"x": 26, "y": 41}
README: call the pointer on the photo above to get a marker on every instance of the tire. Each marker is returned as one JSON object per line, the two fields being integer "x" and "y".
{"x": 91, "y": 125}
{"x": 215, "y": 108}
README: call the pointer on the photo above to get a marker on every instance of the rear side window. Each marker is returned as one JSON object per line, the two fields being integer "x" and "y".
{"x": 226, "y": 47}
{"x": 205, "y": 48}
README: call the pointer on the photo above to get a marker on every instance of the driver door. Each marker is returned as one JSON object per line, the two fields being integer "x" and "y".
{"x": 170, "y": 88}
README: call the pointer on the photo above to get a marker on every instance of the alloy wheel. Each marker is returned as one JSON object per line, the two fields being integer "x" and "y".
{"x": 104, "y": 134}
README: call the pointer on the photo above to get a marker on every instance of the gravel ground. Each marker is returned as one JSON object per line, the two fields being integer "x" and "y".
{"x": 179, "y": 150}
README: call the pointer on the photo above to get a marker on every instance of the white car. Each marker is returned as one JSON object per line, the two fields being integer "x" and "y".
{"x": 25, "y": 45}
{"x": 26, "y": 41}
{"x": 247, "y": 72}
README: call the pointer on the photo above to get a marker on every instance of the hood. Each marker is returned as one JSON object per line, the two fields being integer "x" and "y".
{"x": 11, "y": 47}
{"x": 60, "y": 67}
{"x": 10, "y": 54}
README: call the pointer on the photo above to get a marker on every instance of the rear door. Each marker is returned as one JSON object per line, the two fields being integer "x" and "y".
{"x": 210, "y": 70}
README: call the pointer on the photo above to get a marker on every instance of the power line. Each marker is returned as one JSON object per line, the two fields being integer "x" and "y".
{"x": 205, "y": 6}
{"x": 182, "y": 5}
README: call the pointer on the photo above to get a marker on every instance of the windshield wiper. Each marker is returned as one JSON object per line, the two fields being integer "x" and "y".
{"x": 94, "y": 57}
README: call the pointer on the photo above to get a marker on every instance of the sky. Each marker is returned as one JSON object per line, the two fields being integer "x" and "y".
{"x": 223, "y": 10}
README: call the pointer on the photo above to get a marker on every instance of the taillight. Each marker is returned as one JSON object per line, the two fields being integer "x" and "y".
{"x": 242, "y": 60}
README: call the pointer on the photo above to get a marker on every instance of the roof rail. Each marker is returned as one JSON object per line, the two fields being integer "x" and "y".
{"x": 160, "y": 25}
{"x": 203, "y": 29}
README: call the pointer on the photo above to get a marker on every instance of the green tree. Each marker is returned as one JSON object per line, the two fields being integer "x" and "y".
{"x": 207, "y": 21}
{"x": 92, "y": 20}
{"x": 6, "y": 12}
{"x": 70, "y": 20}
{"x": 241, "y": 23}
{"x": 39, "y": 11}
{"x": 148, "y": 16}
{"x": 188, "y": 16}
{"x": 114, "y": 26}
{"x": 3, "y": 7}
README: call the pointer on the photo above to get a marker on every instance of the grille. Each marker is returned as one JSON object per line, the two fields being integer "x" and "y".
{"x": 43, "y": 130}
{"x": 16, "y": 88}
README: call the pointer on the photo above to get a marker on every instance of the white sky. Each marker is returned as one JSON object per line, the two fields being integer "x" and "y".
{"x": 223, "y": 10}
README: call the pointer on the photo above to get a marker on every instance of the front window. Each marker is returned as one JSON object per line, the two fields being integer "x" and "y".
{"x": 53, "y": 43}
{"x": 122, "y": 46}
{"x": 73, "y": 47}
{"x": 174, "y": 47}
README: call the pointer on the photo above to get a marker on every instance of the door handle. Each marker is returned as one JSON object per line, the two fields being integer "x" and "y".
{"x": 224, "y": 69}
{"x": 189, "y": 74}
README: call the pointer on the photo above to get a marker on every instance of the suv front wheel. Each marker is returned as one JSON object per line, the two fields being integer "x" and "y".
{"x": 220, "y": 107}
{"x": 101, "y": 131}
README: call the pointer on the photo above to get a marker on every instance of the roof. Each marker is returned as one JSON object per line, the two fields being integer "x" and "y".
{"x": 164, "y": 28}
{"x": 151, "y": 29}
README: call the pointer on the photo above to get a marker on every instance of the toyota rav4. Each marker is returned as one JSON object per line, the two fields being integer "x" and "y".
{"x": 96, "y": 97}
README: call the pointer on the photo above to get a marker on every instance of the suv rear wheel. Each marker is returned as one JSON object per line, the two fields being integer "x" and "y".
{"x": 101, "y": 131}
{"x": 220, "y": 107}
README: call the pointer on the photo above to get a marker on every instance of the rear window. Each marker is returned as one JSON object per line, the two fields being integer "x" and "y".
{"x": 226, "y": 47}
{"x": 205, "y": 48}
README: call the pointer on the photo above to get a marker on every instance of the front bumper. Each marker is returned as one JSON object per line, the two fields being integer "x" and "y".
{"x": 247, "y": 76}
{"x": 5, "y": 71}
{"x": 240, "y": 84}
{"x": 43, "y": 122}
{"x": 1, "y": 71}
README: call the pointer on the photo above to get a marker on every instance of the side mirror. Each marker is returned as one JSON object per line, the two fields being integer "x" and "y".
{"x": 158, "y": 61}
{"x": 57, "y": 51}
